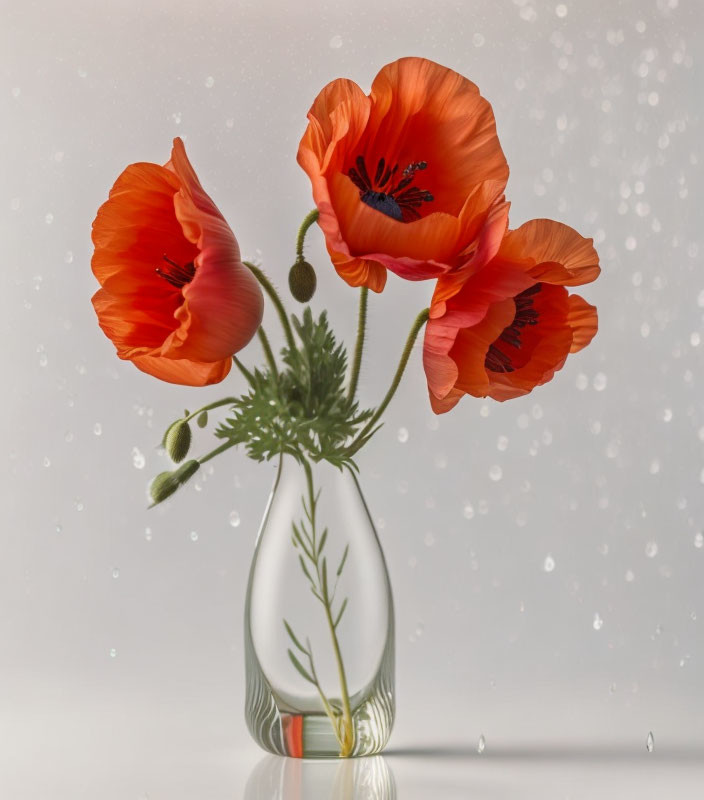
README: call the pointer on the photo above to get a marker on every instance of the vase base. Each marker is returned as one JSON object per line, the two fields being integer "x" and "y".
{"x": 312, "y": 736}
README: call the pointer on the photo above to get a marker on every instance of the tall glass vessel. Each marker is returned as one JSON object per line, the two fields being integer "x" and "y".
{"x": 319, "y": 622}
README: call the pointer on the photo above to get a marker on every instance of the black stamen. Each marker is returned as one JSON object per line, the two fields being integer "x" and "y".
{"x": 398, "y": 202}
{"x": 178, "y": 275}
{"x": 362, "y": 167}
{"x": 498, "y": 361}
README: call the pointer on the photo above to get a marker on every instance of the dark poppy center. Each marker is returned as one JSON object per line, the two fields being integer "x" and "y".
{"x": 176, "y": 274}
{"x": 398, "y": 200}
{"x": 498, "y": 356}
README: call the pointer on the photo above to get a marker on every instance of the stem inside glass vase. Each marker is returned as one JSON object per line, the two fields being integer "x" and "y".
{"x": 306, "y": 539}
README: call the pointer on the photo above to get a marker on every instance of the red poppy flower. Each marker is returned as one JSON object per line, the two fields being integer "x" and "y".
{"x": 410, "y": 178}
{"x": 511, "y": 326}
{"x": 176, "y": 299}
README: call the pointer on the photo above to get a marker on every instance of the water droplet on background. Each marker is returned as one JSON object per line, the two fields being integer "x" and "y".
{"x": 335, "y": 42}
{"x": 598, "y": 622}
{"x": 113, "y": 652}
{"x": 148, "y": 534}
{"x": 650, "y": 742}
{"x": 699, "y": 540}
{"x": 599, "y": 382}
{"x": 402, "y": 435}
{"x": 549, "y": 563}
{"x": 234, "y": 519}
{"x": 115, "y": 572}
{"x": 651, "y": 549}
{"x": 496, "y": 473}
{"x": 194, "y": 536}
{"x": 481, "y": 744}
{"x": 98, "y": 429}
{"x": 138, "y": 459}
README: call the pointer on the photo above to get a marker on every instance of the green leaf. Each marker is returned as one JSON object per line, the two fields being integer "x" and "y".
{"x": 299, "y": 538}
{"x": 323, "y": 539}
{"x": 325, "y": 578}
{"x": 342, "y": 562}
{"x": 303, "y": 410}
{"x": 305, "y": 570}
{"x": 290, "y": 632}
{"x": 202, "y": 419}
{"x": 340, "y": 613}
{"x": 301, "y": 669}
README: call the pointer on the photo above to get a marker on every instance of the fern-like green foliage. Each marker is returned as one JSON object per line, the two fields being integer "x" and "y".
{"x": 302, "y": 410}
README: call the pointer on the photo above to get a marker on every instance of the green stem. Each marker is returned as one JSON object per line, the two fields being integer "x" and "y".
{"x": 345, "y": 734}
{"x": 224, "y": 402}
{"x": 216, "y": 452}
{"x": 420, "y": 320}
{"x": 263, "y": 338}
{"x": 276, "y": 300}
{"x": 361, "y": 325}
{"x": 241, "y": 367}
{"x": 311, "y": 218}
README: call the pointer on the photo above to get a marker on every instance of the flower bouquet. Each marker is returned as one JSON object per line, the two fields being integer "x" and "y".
{"x": 409, "y": 180}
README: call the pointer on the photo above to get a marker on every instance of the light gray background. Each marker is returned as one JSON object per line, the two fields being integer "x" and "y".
{"x": 121, "y": 666}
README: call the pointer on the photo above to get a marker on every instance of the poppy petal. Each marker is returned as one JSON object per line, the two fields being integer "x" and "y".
{"x": 415, "y": 105}
{"x": 184, "y": 371}
{"x": 558, "y": 253}
{"x": 583, "y": 319}
{"x": 175, "y": 298}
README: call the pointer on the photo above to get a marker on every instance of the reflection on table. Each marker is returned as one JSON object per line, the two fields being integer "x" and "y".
{"x": 276, "y": 778}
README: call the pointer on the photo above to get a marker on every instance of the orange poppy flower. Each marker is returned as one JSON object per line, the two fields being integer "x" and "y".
{"x": 176, "y": 299}
{"x": 511, "y": 326}
{"x": 410, "y": 178}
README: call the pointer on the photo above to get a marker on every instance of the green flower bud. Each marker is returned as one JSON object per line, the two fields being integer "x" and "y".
{"x": 302, "y": 281}
{"x": 178, "y": 440}
{"x": 166, "y": 483}
{"x": 202, "y": 419}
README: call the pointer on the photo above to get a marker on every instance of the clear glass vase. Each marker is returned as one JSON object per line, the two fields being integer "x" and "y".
{"x": 319, "y": 621}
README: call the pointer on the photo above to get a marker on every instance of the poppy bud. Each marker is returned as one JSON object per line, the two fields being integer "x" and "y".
{"x": 302, "y": 281}
{"x": 202, "y": 419}
{"x": 166, "y": 483}
{"x": 178, "y": 440}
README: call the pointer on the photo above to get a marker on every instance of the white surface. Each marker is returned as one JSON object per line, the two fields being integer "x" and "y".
{"x": 117, "y": 686}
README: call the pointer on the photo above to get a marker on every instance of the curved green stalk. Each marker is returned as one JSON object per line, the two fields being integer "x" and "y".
{"x": 226, "y": 401}
{"x": 275, "y": 299}
{"x": 310, "y": 219}
{"x": 241, "y": 367}
{"x": 268, "y": 353}
{"x": 361, "y": 326}
{"x": 216, "y": 452}
{"x": 360, "y": 439}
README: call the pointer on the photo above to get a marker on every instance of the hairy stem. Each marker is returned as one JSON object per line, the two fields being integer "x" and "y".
{"x": 241, "y": 367}
{"x": 226, "y": 401}
{"x": 268, "y": 353}
{"x": 216, "y": 452}
{"x": 359, "y": 347}
{"x": 275, "y": 299}
{"x": 420, "y": 320}
{"x": 311, "y": 218}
